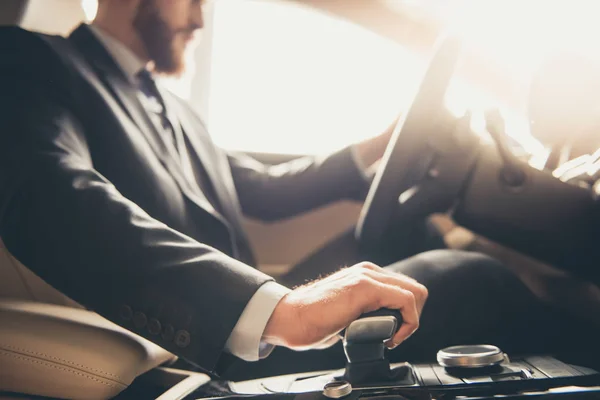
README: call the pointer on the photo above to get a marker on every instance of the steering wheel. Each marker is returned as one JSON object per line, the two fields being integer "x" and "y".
{"x": 403, "y": 189}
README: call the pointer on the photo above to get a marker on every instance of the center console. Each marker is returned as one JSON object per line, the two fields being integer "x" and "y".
{"x": 522, "y": 375}
{"x": 469, "y": 372}
{"x": 466, "y": 372}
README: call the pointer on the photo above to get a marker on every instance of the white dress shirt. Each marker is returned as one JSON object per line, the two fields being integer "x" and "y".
{"x": 245, "y": 339}
{"x": 126, "y": 59}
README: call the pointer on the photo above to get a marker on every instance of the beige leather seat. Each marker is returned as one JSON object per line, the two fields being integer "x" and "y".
{"x": 51, "y": 346}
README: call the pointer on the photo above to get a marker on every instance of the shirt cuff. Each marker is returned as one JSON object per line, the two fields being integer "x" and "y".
{"x": 245, "y": 339}
{"x": 359, "y": 164}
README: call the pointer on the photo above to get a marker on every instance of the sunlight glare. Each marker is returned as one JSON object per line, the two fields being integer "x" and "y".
{"x": 90, "y": 8}
{"x": 289, "y": 79}
{"x": 522, "y": 32}
{"x": 522, "y": 36}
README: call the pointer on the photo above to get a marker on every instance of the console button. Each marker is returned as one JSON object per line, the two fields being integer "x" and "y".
{"x": 139, "y": 320}
{"x": 168, "y": 333}
{"x": 154, "y": 326}
{"x": 125, "y": 312}
{"x": 337, "y": 389}
{"x": 182, "y": 338}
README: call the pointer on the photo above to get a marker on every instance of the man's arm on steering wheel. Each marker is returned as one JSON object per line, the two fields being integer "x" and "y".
{"x": 275, "y": 192}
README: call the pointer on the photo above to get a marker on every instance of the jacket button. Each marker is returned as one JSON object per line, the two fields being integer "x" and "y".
{"x": 182, "y": 338}
{"x": 154, "y": 326}
{"x": 168, "y": 333}
{"x": 139, "y": 320}
{"x": 125, "y": 312}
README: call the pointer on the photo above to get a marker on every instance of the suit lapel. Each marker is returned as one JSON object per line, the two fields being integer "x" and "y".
{"x": 206, "y": 157}
{"x": 202, "y": 149}
{"x": 127, "y": 97}
{"x": 179, "y": 147}
{"x": 206, "y": 153}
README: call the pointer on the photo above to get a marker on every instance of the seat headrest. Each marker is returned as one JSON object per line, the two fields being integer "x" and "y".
{"x": 55, "y": 17}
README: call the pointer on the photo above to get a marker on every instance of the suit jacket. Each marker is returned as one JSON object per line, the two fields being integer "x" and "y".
{"x": 97, "y": 203}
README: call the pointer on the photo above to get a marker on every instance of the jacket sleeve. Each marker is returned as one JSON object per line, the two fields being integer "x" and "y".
{"x": 71, "y": 226}
{"x": 272, "y": 192}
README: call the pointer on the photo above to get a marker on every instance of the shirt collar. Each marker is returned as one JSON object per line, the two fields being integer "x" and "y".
{"x": 126, "y": 59}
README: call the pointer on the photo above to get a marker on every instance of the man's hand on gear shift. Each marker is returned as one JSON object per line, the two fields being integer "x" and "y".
{"x": 312, "y": 316}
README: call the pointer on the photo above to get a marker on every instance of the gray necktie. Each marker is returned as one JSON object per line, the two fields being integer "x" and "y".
{"x": 154, "y": 103}
{"x": 156, "y": 106}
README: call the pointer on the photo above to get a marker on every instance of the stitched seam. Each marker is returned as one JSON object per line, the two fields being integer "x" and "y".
{"x": 25, "y": 358}
{"x": 20, "y": 350}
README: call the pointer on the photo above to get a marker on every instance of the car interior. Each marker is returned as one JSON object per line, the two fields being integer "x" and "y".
{"x": 497, "y": 150}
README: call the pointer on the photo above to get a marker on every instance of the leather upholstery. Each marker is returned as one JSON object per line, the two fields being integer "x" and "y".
{"x": 51, "y": 346}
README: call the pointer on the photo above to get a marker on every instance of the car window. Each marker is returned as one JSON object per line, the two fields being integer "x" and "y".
{"x": 289, "y": 79}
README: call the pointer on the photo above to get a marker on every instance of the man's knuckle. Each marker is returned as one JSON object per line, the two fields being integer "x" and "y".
{"x": 359, "y": 281}
{"x": 421, "y": 292}
{"x": 367, "y": 283}
{"x": 408, "y": 296}
{"x": 370, "y": 266}
{"x": 362, "y": 268}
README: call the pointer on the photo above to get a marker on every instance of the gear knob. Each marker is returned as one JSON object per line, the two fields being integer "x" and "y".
{"x": 364, "y": 345}
{"x": 365, "y": 338}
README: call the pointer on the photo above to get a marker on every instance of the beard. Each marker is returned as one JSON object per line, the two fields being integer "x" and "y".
{"x": 158, "y": 39}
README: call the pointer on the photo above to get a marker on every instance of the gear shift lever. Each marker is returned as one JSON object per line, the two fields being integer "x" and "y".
{"x": 364, "y": 345}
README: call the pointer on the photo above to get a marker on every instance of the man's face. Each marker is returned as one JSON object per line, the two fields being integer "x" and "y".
{"x": 166, "y": 27}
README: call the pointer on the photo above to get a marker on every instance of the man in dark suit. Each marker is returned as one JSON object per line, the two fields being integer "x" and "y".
{"x": 112, "y": 191}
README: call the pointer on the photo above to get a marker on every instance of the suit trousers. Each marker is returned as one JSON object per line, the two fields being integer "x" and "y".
{"x": 472, "y": 299}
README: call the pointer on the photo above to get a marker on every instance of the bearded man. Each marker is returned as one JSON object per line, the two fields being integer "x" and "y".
{"x": 112, "y": 192}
